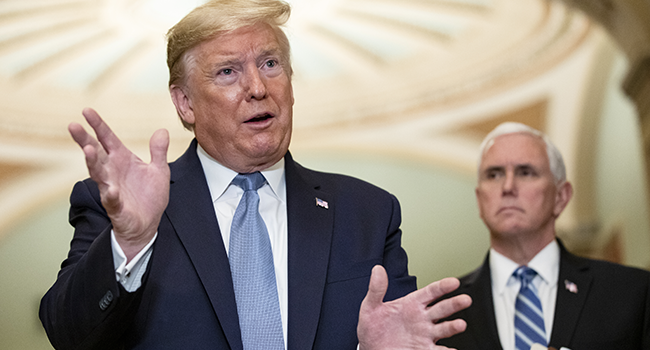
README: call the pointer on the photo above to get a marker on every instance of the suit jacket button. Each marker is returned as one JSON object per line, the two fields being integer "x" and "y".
{"x": 106, "y": 301}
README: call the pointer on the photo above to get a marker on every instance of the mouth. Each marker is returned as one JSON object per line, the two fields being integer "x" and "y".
{"x": 260, "y": 118}
{"x": 508, "y": 209}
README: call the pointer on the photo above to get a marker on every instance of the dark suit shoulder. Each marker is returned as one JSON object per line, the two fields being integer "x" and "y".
{"x": 601, "y": 305}
{"x": 602, "y": 268}
{"x": 339, "y": 184}
{"x": 478, "y": 277}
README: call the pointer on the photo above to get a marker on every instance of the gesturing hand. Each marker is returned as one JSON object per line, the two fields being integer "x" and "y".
{"x": 408, "y": 323}
{"x": 134, "y": 193}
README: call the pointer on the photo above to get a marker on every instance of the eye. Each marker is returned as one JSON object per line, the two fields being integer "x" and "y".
{"x": 493, "y": 174}
{"x": 226, "y": 76}
{"x": 271, "y": 63}
{"x": 525, "y": 171}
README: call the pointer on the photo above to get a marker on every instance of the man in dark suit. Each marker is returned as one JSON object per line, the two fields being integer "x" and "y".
{"x": 148, "y": 266}
{"x": 585, "y": 304}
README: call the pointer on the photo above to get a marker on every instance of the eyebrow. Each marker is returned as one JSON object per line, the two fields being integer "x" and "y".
{"x": 502, "y": 167}
{"x": 230, "y": 60}
{"x": 494, "y": 167}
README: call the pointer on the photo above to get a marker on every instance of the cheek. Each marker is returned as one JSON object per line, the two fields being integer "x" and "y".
{"x": 541, "y": 204}
{"x": 485, "y": 205}
{"x": 229, "y": 98}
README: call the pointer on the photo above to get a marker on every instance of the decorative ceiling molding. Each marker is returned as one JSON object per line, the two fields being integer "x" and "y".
{"x": 10, "y": 172}
{"x": 355, "y": 61}
{"x": 533, "y": 115}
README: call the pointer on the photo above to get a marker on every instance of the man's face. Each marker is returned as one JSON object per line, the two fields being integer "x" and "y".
{"x": 516, "y": 190}
{"x": 239, "y": 97}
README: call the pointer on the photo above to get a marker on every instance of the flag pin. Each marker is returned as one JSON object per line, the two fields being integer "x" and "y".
{"x": 571, "y": 287}
{"x": 321, "y": 203}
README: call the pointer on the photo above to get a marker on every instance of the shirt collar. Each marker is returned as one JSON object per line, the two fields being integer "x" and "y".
{"x": 219, "y": 177}
{"x": 546, "y": 263}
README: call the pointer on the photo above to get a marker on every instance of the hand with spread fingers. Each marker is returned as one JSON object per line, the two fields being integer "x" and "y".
{"x": 133, "y": 192}
{"x": 410, "y": 322}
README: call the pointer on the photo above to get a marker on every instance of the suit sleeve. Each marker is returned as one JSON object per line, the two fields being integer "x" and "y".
{"x": 395, "y": 259}
{"x": 87, "y": 308}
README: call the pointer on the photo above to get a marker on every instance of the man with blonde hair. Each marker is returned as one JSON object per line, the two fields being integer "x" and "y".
{"x": 234, "y": 245}
{"x": 530, "y": 289}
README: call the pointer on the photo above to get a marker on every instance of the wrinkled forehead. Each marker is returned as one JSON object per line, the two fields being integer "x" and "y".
{"x": 259, "y": 37}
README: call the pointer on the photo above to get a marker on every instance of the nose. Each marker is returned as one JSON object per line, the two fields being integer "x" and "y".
{"x": 509, "y": 185}
{"x": 255, "y": 85}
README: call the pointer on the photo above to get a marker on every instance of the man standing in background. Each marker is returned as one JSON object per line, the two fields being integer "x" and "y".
{"x": 530, "y": 289}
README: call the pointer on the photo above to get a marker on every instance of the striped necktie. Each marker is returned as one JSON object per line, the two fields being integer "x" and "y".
{"x": 529, "y": 318}
{"x": 253, "y": 272}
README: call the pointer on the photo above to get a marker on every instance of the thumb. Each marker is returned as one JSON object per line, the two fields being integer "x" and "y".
{"x": 377, "y": 287}
{"x": 158, "y": 145}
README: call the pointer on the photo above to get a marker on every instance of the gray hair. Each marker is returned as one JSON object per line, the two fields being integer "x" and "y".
{"x": 555, "y": 160}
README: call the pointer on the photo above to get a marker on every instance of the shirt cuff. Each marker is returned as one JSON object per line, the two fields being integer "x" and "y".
{"x": 130, "y": 275}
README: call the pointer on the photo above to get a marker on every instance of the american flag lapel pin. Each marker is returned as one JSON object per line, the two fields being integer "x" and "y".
{"x": 571, "y": 287}
{"x": 321, "y": 203}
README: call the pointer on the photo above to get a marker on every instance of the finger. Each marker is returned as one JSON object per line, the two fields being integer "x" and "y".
{"x": 158, "y": 146}
{"x": 435, "y": 290}
{"x": 448, "y": 307}
{"x": 81, "y": 136}
{"x": 448, "y": 328}
{"x": 105, "y": 135}
{"x": 377, "y": 287}
{"x": 94, "y": 165}
{"x": 89, "y": 146}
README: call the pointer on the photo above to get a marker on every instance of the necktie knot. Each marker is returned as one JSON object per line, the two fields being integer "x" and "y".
{"x": 525, "y": 274}
{"x": 248, "y": 182}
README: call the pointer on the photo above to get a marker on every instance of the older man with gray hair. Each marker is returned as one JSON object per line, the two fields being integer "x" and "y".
{"x": 530, "y": 289}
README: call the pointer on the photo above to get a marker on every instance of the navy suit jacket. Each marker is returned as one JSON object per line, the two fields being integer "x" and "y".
{"x": 610, "y": 309}
{"x": 187, "y": 299}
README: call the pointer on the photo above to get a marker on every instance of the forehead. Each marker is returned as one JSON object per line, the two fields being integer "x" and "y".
{"x": 516, "y": 149}
{"x": 252, "y": 39}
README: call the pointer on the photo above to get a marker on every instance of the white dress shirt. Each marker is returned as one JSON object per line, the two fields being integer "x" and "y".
{"x": 505, "y": 288}
{"x": 225, "y": 197}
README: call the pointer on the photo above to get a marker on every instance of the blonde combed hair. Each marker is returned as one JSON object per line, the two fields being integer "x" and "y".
{"x": 218, "y": 17}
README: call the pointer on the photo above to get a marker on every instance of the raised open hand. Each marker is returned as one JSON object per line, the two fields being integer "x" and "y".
{"x": 134, "y": 193}
{"x": 408, "y": 323}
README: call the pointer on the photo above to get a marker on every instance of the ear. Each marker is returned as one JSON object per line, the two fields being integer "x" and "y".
{"x": 183, "y": 103}
{"x": 562, "y": 198}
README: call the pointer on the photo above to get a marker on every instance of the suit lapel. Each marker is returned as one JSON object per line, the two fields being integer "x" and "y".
{"x": 479, "y": 286}
{"x": 191, "y": 213}
{"x": 573, "y": 287}
{"x": 310, "y": 234}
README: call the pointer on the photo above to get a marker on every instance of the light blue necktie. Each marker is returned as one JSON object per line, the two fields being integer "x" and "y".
{"x": 253, "y": 273}
{"x": 529, "y": 318}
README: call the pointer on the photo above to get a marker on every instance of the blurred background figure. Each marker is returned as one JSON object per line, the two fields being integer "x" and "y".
{"x": 530, "y": 289}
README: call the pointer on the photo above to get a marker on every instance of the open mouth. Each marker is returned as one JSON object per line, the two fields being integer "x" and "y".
{"x": 259, "y": 118}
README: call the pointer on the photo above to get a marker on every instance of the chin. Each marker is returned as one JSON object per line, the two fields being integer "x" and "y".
{"x": 268, "y": 148}
{"x": 269, "y": 156}
{"x": 507, "y": 231}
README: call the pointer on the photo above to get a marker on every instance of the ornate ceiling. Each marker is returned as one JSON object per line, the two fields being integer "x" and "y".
{"x": 422, "y": 78}
{"x": 378, "y": 61}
